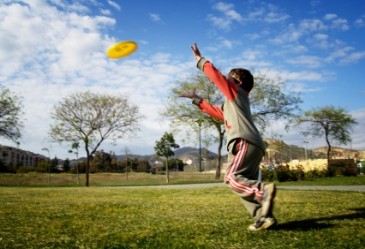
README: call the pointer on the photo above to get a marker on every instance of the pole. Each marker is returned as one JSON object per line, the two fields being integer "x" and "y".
{"x": 200, "y": 121}
{"x": 126, "y": 163}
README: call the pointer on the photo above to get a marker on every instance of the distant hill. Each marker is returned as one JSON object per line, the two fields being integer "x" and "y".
{"x": 181, "y": 153}
{"x": 284, "y": 152}
{"x": 194, "y": 153}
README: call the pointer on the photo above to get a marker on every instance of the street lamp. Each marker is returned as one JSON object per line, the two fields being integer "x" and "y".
{"x": 305, "y": 134}
{"x": 200, "y": 122}
{"x": 49, "y": 163}
{"x": 77, "y": 164}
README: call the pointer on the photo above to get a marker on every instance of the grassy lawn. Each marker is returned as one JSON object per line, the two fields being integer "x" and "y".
{"x": 115, "y": 217}
{"x": 144, "y": 179}
{"x": 103, "y": 179}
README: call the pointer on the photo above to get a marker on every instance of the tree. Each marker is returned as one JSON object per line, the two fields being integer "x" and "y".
{"x": 269, "y": 102}
{"x": 164, "y": 148}
{"x": 180, "y": 113}
{"x": 10, "y": 115}
{"x": 92, "y": 118}
{"x": 54, "y": 165}
{"x": 331, "y": 122}
{"x": 66, "y": 165}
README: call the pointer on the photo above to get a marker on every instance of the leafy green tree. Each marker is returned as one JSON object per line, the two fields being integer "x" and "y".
{"x": 176, "y": 164}
{"x": 92, "y": 118}
{"x": 10, "y": 115}
{"x": 54, "y": 164}
{"x": 102, "y": 161}
{"x": 42, "y": 166}
{"x": 66, "y": 165}
{"x": 331, "y": 122}
{"x": 164, "y": 148}
{"x": 269, "y": 98}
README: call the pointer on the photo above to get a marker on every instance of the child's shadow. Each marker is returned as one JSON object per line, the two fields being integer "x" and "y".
{"x": 319, "y": 223}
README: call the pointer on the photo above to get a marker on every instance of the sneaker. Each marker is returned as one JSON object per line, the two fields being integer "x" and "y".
{"x": 268, "y": 203}
{"x": 263, "y": 224}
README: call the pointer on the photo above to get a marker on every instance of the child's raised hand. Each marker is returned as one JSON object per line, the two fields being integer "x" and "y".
{"x": 196, "y": 51}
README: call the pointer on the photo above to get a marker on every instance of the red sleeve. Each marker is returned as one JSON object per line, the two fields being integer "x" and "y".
{"x": 229, "y": 89}
{"x": 211, "y": 110}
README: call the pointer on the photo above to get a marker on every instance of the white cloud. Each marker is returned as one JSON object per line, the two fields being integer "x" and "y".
{"x": 343, "y": 54}
{"x": 51, "y": 54}
{"x": 353, "y": 57}
{"x": 267, "y": 13}
{"x": 330, "y": 17}
{"x": 311, "y": 25}
{"x": 360, "y": 22}
{"x": 69, "y": 6}
{"x": 273, "y": 17}
{"x": 228, "y": 11}
{"x": 105, "y": 12}
{"x": 301, "y": 75}
{"x": 228, "y": 15}
{"x": 358, "y": 141}
{"x": 114, "y": 5}
{"x": 220, "y": 22}
{"x": 306, "y": 60}
{"x": 155, "y": 17}
{"x": 222, "y": 44}
{"x": 341, "y": 24}
{"x": 321, "y": 40}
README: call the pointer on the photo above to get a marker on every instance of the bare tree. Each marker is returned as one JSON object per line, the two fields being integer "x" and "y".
{"x": 331, "y": 122}
{"x": 92, "y": 118}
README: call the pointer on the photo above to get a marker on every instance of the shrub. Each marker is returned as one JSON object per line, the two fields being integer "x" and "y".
{"x": 269, "y": 175}
{"x": 25, "y": 169}
{"x": 284, "y": 174}
{"x": 316, "y": 173}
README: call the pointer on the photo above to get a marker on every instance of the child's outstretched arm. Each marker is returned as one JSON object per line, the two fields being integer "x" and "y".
{"x": 211, "y": 110}
{"x": 229, "y": 89}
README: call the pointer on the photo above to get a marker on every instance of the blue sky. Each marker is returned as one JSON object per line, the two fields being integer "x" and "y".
{"x": 51, "y": 49}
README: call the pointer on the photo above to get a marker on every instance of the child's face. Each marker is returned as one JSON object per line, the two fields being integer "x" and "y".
{"x": 233, "y": 77}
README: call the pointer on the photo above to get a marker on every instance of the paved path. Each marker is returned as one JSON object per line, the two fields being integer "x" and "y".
{"x": 357, "y": 188}
{"x": 360, "y": 188}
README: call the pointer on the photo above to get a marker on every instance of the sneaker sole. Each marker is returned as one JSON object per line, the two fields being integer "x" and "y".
{"x": 268, "y": 224}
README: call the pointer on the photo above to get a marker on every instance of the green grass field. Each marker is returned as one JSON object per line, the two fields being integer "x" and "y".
{"x": 142, "y": 217}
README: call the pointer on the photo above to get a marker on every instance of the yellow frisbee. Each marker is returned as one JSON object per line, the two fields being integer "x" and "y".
{"x": 121, "y": 49}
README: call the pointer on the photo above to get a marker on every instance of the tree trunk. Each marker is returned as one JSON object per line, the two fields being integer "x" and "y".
{"x": 218, "y": 167}
{"x": 87, "y": 170}
{"x": 167, "y": 170}
{"x": 329, "y": 148}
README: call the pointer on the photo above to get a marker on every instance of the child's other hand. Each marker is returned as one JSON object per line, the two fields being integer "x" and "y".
{"x": 187, "y": 94}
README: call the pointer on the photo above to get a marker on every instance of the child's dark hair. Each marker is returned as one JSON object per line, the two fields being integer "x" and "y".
{"x": 245, "y": 77}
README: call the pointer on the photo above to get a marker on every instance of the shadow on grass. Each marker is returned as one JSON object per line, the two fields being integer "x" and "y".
{"x": 320, "y": 223}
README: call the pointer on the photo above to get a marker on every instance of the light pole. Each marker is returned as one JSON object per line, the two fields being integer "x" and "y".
{"x": 49, "y": 163}
{"x": 200, "y": 122}
{"x": 126, "y": 163}
{"x": 77, "y": 164}
{"x": 305, "y": 134}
